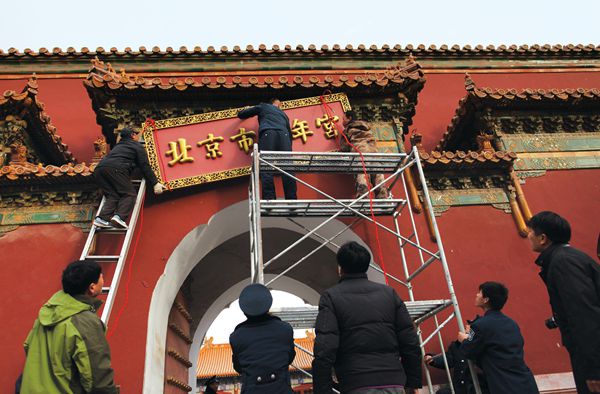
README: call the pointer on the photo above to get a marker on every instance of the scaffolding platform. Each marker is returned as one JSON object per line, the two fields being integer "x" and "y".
{"x": 345, "y": 207}
{"x": 304, "y": 317}
{"x": 331, "y": 162}
{"x": 395, "y": 168}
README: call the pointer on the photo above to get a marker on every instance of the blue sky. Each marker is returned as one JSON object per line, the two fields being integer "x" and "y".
{"x": 109, "y": 23}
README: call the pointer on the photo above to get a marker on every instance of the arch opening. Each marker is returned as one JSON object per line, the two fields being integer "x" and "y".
{"x": 213, "y": 261}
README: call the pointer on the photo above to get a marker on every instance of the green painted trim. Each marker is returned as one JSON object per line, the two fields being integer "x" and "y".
{"x": 468, "y": 197}
{"x": 279, "y": 62}
{"x": 562, "y": 142}
{"x": 558, "y": 163}
{"x": 45, "y": 215}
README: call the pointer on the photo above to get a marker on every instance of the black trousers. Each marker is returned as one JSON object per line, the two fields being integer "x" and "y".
{"x": 118, "y": 190}
{"x": 278, "y": 140}
{"x": 579, "y": 373}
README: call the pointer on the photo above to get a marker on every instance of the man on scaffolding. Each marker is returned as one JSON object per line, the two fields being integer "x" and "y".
{"x": 274, "y": 134}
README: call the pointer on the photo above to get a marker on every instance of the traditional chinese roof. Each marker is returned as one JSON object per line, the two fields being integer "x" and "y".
{"x": 215, "y": 359}
{"x": 28, "y": 174}
{"x": 417, "y": 50}
{"x": 103, "y": 76}
{"x": 48, "y": 144}
{"x": 460, "y": 160}
{"x": 480, "y": 99}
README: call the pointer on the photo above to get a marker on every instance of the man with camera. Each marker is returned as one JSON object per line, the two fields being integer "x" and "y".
{"x": 573, "y": 282}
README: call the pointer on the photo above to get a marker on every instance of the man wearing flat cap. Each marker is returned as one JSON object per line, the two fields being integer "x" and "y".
{"x": 263, "y": 345}
{"x": 212, "y": 385}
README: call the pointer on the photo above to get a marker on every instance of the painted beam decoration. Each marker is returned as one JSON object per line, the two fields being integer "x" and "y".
{"x": 214, "y": 146}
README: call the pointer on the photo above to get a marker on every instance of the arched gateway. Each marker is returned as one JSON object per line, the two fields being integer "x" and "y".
{"x": 215, "y": 259}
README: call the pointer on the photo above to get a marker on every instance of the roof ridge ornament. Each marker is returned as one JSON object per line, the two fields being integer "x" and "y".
{"x": 469, "y": 83}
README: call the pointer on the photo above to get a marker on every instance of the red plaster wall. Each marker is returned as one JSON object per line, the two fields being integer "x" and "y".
{"x": 33, "y": 258}
{"x": 481, "y": 242}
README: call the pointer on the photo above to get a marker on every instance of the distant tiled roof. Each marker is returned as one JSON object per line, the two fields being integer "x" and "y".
{"x": 417, "y": 50}
{"x": 215, "y": 359}
{"x": 102, "y": 76}
{"x": 40, "y": 124}
{"x": 29, "y": 173}
{"x": 480, "y": 97}
{"x": 467, "y": 160}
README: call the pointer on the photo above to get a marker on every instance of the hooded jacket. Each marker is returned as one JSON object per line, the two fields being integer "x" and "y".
{"x": 66, "y": 349}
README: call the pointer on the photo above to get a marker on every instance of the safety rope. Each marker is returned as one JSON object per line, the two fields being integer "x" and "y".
{"x": 330, "y": 114}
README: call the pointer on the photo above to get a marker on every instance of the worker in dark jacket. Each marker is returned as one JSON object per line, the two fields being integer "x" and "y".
{"x": 263, "y": 345}
{"x": 113, "y": 173}
{"x": 461, "y": 376}
{"x": 274, "y": 134}
{"x": 495, "y": 343}
{"x": 573, "y": 282}
{"x": 365, "y": 333}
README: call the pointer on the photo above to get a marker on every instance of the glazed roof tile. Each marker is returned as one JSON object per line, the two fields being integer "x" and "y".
{"x": 39, "y": 121}
{"x": 467, "y": 160}
{"x": 480, "y": 97}
{"x": 28, "y": 173}
{"x": 216, "y": 359}
{"x": 418, "y": 50}
{"x": 103, "y": 76}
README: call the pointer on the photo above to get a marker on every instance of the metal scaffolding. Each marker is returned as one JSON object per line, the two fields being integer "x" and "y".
{"x": 412, "y": 252}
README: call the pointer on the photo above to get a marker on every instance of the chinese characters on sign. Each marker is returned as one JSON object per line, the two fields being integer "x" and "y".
{"x": 212, "y": 146}
{"x": 178, "y": 150}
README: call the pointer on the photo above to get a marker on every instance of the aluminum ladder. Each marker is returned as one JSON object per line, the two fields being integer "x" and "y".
{"x": 118, "y": 259}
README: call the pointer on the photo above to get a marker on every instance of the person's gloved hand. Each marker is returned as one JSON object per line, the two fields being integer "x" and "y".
{"x": 159, "y": 188}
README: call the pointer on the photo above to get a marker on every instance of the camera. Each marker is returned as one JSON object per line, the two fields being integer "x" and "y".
{"x": 551, "y": 323}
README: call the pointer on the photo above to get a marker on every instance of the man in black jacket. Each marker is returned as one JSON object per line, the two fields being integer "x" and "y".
{"x": 263, "y": 345}
{"x": 274, "y": 134}
{"x": 112, "y": 174}
{"x": 573, "y": 282}
{"x": 365, "y": 333}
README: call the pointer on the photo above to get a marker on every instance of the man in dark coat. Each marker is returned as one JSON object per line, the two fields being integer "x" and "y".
{"x": 113, "y": 173}
{"x": 461, "y": 376}
{"x": 274, "y": 134}
{"x": 495, "y": 343}
{"x": 365, "y": 333}
{"x": 573, "y": 282}
{"x": 263, "y": 345}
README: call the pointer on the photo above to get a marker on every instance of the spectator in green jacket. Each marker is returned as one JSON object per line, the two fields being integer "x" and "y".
{"x": 67, "y": 351}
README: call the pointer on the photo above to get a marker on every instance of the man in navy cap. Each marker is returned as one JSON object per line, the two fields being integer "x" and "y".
{"x": 263, "y": 345}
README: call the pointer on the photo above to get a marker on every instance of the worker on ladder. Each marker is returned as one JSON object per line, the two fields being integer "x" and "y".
{"x": 113, "y": 176}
